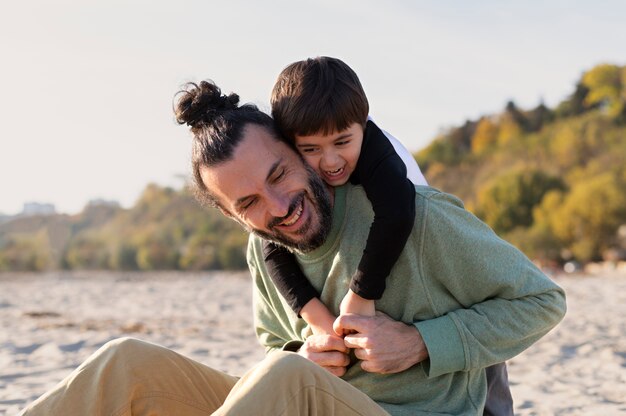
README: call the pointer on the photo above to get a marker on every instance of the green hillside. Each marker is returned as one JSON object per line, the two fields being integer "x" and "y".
{"x": 551, "y": 181}
{"x": 165, "y": 230}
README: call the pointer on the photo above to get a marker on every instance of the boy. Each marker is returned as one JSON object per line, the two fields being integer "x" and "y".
{"x": 320, "y": 106}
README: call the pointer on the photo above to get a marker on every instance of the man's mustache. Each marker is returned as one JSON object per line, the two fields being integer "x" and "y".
{"x": 295, "y": 203}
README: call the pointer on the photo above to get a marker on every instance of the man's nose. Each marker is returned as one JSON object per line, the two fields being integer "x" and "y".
{"x": 278, "y": 204}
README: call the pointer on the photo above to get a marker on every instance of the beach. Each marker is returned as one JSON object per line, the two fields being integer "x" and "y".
{"x": 52, "y": 322}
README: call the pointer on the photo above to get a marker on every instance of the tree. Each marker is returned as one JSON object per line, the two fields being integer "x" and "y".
{"x": 461, "y": 137}
{"x": 567, "y": 146}
{"x": 606, "y": 88}
{"x": 538, "y": 117}
{"x": 157, "y": 252}
{"x": 232, "y": 252}
{"x": 87, "y": 253}
{"x": 23, "y": 254}
{"x": 485, "y": 136}
{"x": 516, "y": 115}
{"x": 440, "y": 150}
{"x": 123, "y": 257}
{"x": 575, "y": 104}
{"x": 588, "y": 219}
{"x": 509, "y": 129}
{"x": 199, "y": 253}
{"x": 508, "y": 201}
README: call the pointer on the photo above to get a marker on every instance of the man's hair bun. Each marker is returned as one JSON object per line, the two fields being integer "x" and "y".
{"x": 198, "y": 105}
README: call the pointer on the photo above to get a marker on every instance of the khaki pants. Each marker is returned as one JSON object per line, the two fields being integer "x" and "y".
{"x": 131, "y": 377}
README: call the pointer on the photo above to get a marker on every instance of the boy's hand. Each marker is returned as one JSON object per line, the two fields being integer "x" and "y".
{"x": 322, "y": 329}
{"x": 319, "y": 318}
{"x": 353, "y": 303}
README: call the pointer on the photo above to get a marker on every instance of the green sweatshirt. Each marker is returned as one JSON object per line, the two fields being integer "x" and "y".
{"x": 475, "y": 299}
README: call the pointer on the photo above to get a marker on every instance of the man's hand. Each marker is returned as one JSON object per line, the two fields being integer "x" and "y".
{"x": 385, "y": 346}
{"x": 327, "y": 351}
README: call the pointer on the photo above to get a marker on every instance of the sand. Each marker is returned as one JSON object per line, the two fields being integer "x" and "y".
{"x": 580, "y": 367}
{"x": 51, "y": 322}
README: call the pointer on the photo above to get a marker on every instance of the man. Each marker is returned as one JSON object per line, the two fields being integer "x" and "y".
{"x": 458, "y": 300}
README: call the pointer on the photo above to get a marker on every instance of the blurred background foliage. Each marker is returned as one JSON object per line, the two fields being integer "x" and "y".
{"x": 165, "y": 230}
{"x": 550, "y": 181}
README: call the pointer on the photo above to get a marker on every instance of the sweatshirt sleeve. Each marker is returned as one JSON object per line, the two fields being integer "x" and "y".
{"x": 383, "y": 175}
{"x": 271, "y": 321}
{"x": 507, "y": 303}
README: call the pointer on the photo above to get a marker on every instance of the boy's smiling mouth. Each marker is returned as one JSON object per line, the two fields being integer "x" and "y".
{"x": 335, "y": 174}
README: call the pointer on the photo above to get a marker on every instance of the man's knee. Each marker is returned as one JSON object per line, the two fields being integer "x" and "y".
{"x": 286, "y": 364}
{"x": 124, "y": 346}
{"x": 123, "y": 342}
{"x": 126, "y": 354}
{"x": 286, "y": 359}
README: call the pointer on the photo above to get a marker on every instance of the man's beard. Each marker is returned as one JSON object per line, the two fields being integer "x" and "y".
{"x": 320, "y": 205}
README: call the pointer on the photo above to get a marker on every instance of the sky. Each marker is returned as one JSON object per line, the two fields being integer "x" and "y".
{"x": 87, "y": 86}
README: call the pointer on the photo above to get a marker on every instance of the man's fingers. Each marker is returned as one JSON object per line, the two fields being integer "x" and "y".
{"x": 356, "y": 341}
{"x": 372, "y": 367}
{"x": 320, "y": 343}
{"x": 330, "y": 359}
{"x": 351, "y": 323}
{"x": 327, "y": 351}
{"x": 362, "y": 354}
{"x": 327, "y": 358}
{"x": 338, "y": 371}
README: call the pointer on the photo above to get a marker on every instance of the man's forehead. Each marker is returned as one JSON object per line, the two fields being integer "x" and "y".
{"x": 257, "y": 141}
{"x": 258, "y": 151}
{"x": 253, "y": 160}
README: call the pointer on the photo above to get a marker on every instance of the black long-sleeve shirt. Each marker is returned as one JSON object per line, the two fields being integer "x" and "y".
{"x": 383, "y": 175}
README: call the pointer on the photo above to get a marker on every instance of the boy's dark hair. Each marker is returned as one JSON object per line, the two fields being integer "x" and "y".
{"x": 317, "y": 95}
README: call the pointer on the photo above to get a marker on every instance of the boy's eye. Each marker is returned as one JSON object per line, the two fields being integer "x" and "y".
{"x": 308, "y": 150}
{"x": 342, "y": 142}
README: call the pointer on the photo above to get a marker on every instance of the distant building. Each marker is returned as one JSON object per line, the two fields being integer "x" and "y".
{"x": 103, "y": 202}
{"x": 36, "y": 208}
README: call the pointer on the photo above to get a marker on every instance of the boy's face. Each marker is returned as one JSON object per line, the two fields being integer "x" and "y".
{"x": 333, "y": 156}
